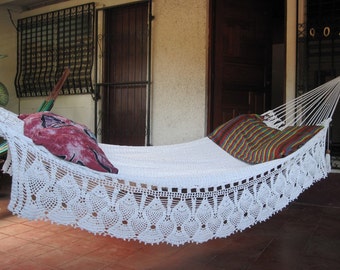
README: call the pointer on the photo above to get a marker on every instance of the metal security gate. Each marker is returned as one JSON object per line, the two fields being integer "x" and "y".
{"x": 125, "y": 101}
{"x": 318, "y": 55}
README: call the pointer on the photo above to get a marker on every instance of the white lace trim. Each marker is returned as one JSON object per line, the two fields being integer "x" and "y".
{"x": 212, "y": 202}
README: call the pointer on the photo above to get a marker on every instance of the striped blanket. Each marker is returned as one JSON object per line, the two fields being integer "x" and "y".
{"x": 249, "y": 139}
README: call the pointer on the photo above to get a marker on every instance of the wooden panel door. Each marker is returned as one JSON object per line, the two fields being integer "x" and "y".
{"x": 241, "y": 59}
{"x": 125, "y": 88}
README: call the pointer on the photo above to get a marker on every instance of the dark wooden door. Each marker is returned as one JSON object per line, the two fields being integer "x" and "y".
{"x": 124, "y": 99}
{"x": 240, "y": 74}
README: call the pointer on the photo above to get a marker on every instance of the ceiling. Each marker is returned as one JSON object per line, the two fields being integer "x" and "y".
{"x": 24, "y": 5}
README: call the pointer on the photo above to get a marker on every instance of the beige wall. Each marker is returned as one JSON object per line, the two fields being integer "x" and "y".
{"x": 179, "y": 64}
{"x": 179, "y": 68}
{"x": 180, "y": 38}
{"x": 8, "y": 65}
{"x": 80, "y": 108}
{"x": 291, "y": 49}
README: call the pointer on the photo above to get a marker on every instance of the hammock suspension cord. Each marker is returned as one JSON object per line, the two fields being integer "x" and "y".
{"x": 311, "y": 108}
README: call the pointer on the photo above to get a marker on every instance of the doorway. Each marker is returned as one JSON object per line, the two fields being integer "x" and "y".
{"x": 126, "y": 84}
{"x": 241, "y": 68}
{"x": 319, "y": 47}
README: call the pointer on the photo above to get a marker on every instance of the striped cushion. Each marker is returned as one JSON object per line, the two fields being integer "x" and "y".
{"x": 247, "y": 138}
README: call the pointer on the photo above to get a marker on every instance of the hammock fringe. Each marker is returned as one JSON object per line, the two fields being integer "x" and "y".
{"x": 203, "y": 194}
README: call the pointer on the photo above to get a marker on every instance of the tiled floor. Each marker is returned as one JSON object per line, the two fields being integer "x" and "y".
{"x": 306, "y": 235}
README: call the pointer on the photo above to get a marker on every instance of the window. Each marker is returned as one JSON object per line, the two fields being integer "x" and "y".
{"x": 48, "y": 43}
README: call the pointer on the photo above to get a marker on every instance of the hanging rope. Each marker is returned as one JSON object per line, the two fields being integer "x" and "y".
{"x": 311, "y": 108}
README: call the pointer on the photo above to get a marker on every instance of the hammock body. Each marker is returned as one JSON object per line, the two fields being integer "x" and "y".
{"x": 190, "y": 192}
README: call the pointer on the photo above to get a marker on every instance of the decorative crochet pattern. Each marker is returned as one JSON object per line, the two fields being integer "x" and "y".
{"x": 189, "y": 192}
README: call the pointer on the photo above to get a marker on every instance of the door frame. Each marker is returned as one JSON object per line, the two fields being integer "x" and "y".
{"x": 211, "y": 57}
{"x": 99, "y": 70}
{"x": 211, "y": 52}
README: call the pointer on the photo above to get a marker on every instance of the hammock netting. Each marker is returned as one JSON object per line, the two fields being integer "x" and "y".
{"x": 175, "y": 194}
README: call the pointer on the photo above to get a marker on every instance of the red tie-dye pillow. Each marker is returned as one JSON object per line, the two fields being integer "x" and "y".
{"x": 66, "y": 139}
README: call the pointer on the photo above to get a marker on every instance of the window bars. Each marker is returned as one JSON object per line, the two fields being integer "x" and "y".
{"x": 50, "y": 42}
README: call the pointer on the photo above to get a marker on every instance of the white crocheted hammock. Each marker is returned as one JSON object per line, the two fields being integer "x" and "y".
{"x": 190, "y": 192}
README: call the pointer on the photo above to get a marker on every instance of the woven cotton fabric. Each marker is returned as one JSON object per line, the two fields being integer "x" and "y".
{"x": 176, "y": 194}
{"x": 249, "y": 139}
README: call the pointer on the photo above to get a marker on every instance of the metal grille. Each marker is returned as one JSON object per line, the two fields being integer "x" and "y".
{"x": 318, "y": 53}
{"x": 323, "y": 41}
{"x": 48, "y": 43}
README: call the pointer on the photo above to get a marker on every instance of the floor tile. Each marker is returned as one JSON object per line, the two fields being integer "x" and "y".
{"x": 112, "y": 253}
{"x": 58, "y": 240}
{"x": 55, "y": 258}
{"x": 31, "y": 250}
{"x": 9, "y": 243}
{"x": 30, "y": 265}
{"x": 15, "y": 229}
{"x": 83, "y": 263}
{"x": 35, "y": 234}
{"x": 7, "y": 259}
